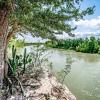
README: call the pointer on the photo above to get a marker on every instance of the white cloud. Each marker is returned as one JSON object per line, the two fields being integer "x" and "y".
{"x": 28, "y": 38}
{"x": 88, "y": 25}
{"x": 84, "y": 28}
{"x": 63, "y": 36}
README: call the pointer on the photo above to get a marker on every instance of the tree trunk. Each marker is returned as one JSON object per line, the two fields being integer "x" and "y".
{"x": 3, "y": 41}
{"x": 2, "y": 62}
{"x": 3, "y": 67}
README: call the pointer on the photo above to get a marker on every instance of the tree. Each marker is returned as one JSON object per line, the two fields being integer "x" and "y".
{"x": 40, "y": 17}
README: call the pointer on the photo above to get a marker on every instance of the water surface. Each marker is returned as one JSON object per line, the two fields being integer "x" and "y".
{"x": 84, "y": 78}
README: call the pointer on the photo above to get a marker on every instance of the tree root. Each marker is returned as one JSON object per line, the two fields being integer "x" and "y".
{"x": 21, "y": 86}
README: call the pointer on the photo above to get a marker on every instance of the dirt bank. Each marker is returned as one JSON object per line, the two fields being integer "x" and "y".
{"x": 45, "y": 88}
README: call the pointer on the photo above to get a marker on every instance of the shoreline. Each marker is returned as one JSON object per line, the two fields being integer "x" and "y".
{"x": 74, "y": 51}
{"x": 49, "y": 89}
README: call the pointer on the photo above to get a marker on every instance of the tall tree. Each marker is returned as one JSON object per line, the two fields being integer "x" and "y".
{"x": 39, "y": 17}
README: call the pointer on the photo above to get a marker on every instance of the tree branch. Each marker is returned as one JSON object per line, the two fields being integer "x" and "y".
{"x": 13, "y": 30}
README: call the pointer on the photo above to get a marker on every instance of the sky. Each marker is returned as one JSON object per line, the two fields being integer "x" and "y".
{"x": 91, "y": 23}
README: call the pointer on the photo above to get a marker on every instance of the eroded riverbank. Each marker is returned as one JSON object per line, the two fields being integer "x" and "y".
{"x": 48, "y": 88}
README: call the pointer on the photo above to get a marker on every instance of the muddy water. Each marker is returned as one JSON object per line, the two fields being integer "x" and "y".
{"x": 84, "y": 77}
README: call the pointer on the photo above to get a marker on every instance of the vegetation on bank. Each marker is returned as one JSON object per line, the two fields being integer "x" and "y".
{"x": 87, "y": 45}
{"x": 20, "y": 43}
{"x": 16, "y": 42}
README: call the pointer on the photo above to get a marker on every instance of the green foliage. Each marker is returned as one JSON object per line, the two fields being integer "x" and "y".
{"x": 43, "y": 17}
{"x": 26, "y": 59}
{"x": 20, "y": 43}
{"x": 14, "y": 61}
{"x": 16, "y": 42}
{"x": 88, "y": 45}
{"x": 66, "y": 44}
{"x": 99, "y": 51}
{"x": 17, "y": 61}
{"x": 47, "y": 97}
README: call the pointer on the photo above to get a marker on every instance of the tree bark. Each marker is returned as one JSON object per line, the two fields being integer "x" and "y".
{"x": 2, "y": 49}
{"x": 3, "y": 42}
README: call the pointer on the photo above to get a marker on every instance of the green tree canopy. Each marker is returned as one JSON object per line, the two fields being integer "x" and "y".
{"x": 43, "y": 17}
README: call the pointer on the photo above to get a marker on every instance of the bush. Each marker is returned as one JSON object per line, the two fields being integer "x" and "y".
{"x": 88, "y": 45}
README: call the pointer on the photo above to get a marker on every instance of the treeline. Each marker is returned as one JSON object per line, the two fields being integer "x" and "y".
{"x": 87, "y": 45}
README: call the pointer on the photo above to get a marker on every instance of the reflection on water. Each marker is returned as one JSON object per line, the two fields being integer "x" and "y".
{"x": 84, "y": 78}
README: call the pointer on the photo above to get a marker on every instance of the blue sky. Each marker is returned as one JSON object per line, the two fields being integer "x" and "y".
{"x": 91, "y": 24}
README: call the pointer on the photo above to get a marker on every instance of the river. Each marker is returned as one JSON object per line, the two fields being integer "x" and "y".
{"x": 84, "y": 78}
